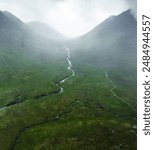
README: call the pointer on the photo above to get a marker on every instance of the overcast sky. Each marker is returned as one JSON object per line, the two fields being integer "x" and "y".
{"x": 70, "y": 17}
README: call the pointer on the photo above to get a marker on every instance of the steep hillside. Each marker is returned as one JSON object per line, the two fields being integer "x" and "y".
{"x": 111, "y": 44}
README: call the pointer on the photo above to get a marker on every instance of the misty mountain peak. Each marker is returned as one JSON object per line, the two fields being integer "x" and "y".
{"x": 9, "y": 20}
{"x": 119, "y": 24}
{"x": 126, "y": 14}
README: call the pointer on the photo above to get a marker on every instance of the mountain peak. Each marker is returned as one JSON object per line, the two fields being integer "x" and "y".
{"x": 115, "y": 24}
{"x": 9, "y": 20}
{"x": 10, "y": 16}
{"x": 127, "y": 13}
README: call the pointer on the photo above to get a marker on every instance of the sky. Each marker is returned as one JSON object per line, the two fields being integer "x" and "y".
{"x": 69, "y": 17}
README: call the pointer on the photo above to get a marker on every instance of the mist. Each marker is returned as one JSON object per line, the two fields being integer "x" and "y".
{"x": 70, "y": 17}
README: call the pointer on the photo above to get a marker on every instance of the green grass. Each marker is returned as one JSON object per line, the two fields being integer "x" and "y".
{"x": 23, "y": 76}
{"x": 90, "y": 123}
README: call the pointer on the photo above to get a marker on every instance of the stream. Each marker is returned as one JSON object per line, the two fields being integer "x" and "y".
{"x": 123, "y": 99}
{"x": 67, "y": 111}
{"x": 59, "y": 83}
{"x": 69, "y": 68}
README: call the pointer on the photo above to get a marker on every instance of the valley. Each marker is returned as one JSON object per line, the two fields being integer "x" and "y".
{"x": 68, "y": 94}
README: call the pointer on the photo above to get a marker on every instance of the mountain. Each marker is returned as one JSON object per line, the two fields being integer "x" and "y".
{"x": 11, "y": 29}
{"x": 22, "y": 52}
{"x": 120, "y": 24}
{"x": 45, "y": 30}
{"x": 8, "y": 20}
{"x": 111, "y": 47}
{"x": 15, "y": 33}
{"x": 110, "y": 44}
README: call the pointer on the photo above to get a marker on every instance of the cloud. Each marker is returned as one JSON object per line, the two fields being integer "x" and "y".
{"x": 70, "y": 17}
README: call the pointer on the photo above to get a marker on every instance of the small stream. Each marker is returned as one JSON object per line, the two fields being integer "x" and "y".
{"x": 123, "y": 99}
{"x": 69, "y": 68}
{"x": 59, "y": 84}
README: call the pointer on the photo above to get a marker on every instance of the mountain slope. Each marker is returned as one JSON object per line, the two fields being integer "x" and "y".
{"x": 111, "y": 44}
{"x": 111, "y": 47}
{"x": 9, "y": 20}
{"x": 45, "y": 30}
{"x": 24, "y": 55}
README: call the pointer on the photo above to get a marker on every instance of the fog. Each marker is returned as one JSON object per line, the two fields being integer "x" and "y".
{"x": 70, "y": 17}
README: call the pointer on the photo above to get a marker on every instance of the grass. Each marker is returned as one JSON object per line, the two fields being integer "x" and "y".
{"x": 93, "y": 119}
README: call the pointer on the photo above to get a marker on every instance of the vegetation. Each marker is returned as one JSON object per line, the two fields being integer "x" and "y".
{"x": 82, "y": 117}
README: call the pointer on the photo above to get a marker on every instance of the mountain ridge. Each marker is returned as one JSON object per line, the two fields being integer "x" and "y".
{"x": 104, "y": 24}
{"x": 8, "y": 20}
{"x": 39, "y": 23}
